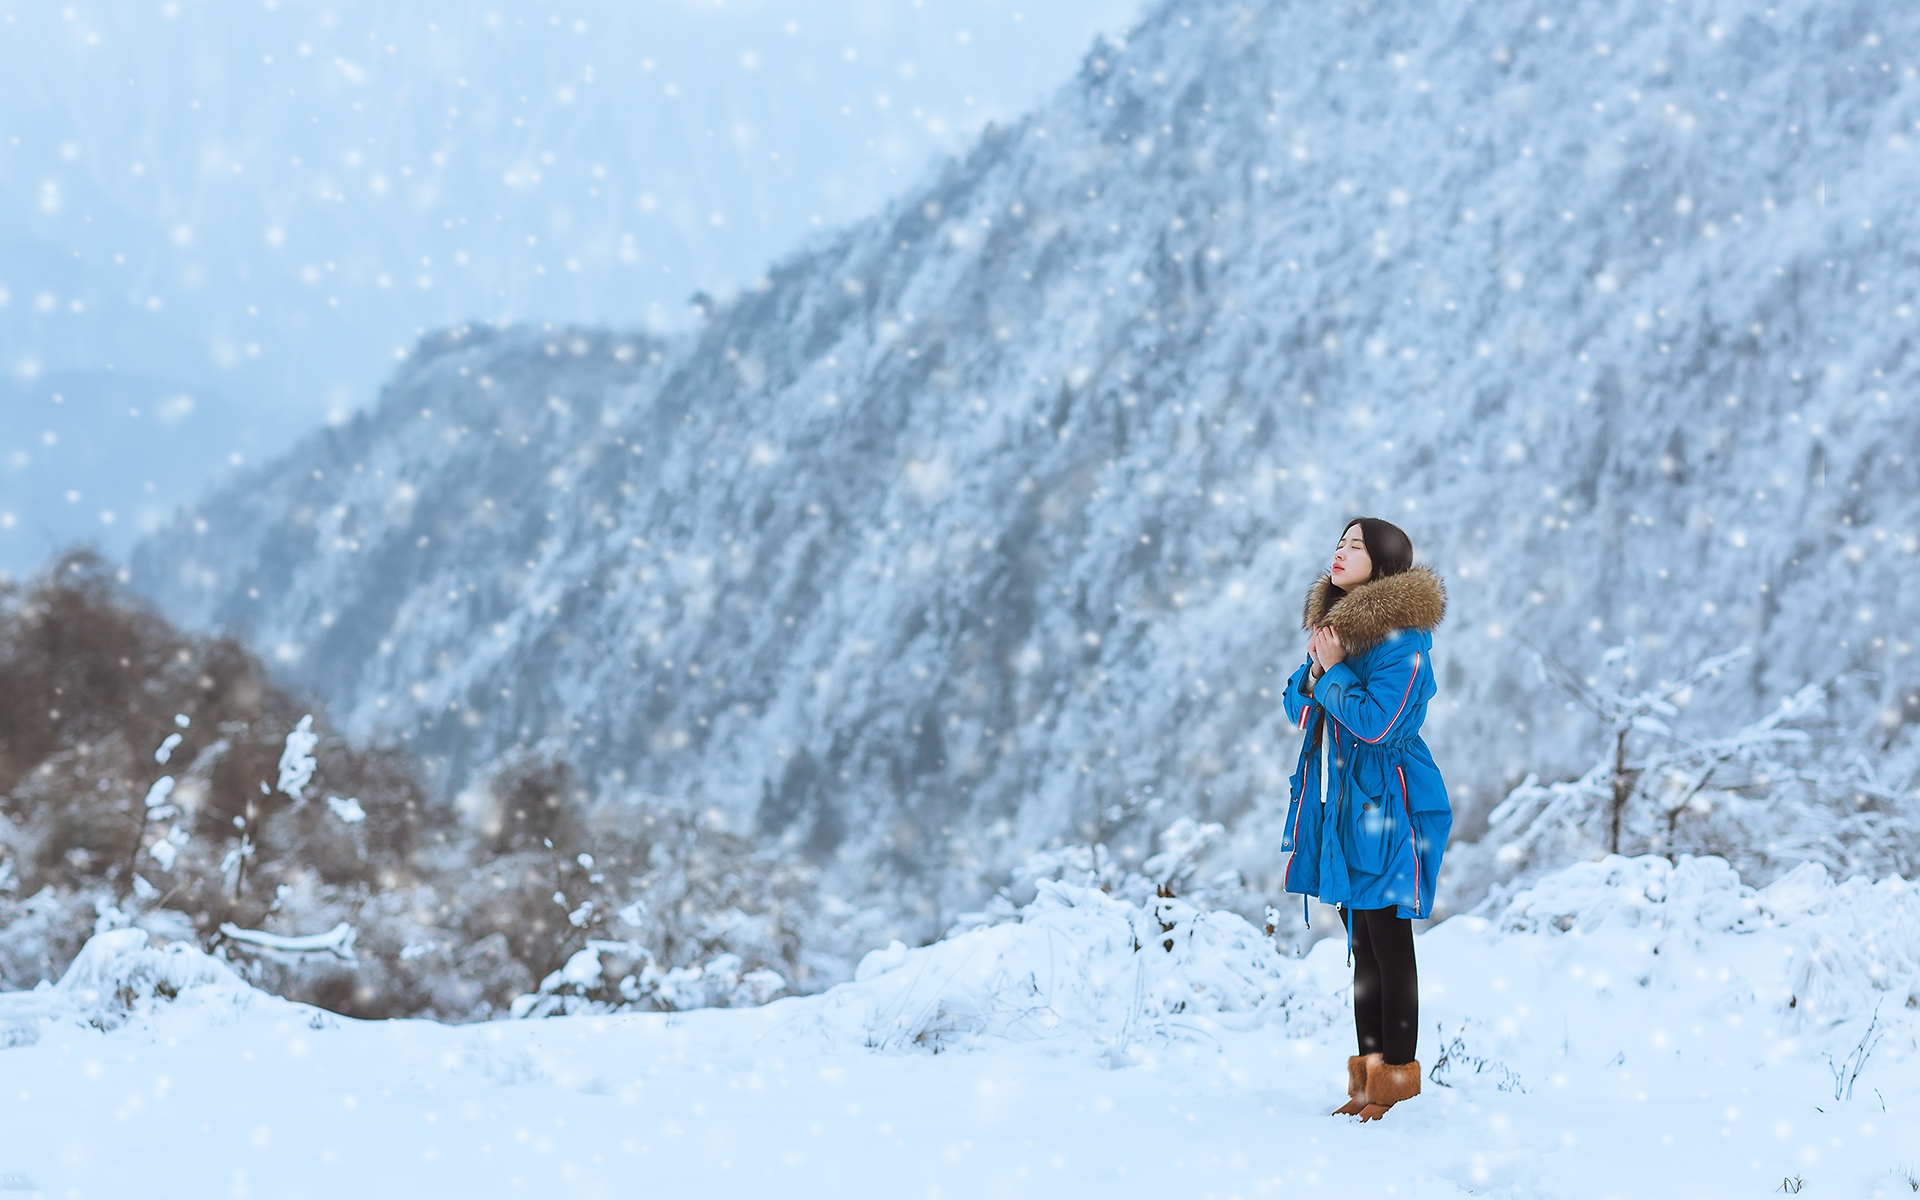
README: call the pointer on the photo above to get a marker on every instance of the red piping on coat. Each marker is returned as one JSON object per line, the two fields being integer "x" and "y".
{"x": 1413, "y": 838}
{"x": 1403, "y": 702}
{"x": 1286, "y": 880}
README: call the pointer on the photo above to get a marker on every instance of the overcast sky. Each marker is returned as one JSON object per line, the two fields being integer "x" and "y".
{"x": 220, "y": 218}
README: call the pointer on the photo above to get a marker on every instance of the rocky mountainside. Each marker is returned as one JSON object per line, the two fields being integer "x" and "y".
{"x": 986, "y": 521}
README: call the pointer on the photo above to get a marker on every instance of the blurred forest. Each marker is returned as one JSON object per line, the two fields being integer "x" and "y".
{"x": 145, "y": 779}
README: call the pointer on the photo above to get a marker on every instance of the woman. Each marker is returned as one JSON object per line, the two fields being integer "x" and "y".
{"x": 1369, "y": 817}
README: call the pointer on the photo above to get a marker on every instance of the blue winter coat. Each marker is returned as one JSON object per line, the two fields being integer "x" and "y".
{"x": 1378, "y": 838}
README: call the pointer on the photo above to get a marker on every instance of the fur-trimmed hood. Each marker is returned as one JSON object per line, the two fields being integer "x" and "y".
{"x": 1414, "y": 599}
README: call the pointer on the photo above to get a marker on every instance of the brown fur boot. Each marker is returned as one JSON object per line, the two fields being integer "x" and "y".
{"x": 1357, "y": 1067}
{"x": 1387, "y": 1085}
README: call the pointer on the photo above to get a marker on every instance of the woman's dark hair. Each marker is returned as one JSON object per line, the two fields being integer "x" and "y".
{"x": 1387, "y": 545}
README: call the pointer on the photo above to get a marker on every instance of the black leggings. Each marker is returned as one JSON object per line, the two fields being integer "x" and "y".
{"x": 1386, "y": 986}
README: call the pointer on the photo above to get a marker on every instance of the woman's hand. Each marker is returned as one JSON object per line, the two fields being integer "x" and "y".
{"x": 1326, "y": 648}
{"x": 1315, "y": 667}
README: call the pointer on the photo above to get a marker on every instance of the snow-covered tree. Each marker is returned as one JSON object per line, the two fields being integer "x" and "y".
{"x": 1775, "y": 792}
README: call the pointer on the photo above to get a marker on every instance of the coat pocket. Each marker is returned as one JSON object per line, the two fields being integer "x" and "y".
{"x": 1370, "y": 829}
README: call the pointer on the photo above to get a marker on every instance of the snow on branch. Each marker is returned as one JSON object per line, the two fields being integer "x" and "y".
{"x": 337, "y": 941}
{"x": 296, "y": 761}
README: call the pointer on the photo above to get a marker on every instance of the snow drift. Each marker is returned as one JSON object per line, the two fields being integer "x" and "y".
{"x": 1624, "y": 1027}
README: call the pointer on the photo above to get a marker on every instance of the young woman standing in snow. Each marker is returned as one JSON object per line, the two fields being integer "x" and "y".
{"x": 1369, "y": 817}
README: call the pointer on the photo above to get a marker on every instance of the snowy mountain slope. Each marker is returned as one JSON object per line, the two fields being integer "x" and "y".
{"x": 1628, "y": 1028}
{"x": 989, "y": 513}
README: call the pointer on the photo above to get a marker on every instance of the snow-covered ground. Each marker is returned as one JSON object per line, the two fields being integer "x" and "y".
{"x": 1628, "y": 1027}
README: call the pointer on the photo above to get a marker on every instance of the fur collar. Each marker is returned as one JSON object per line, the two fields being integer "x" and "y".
{"x": 1414, "y": 599}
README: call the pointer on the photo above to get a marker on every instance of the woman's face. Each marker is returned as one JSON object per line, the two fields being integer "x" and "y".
{"x": 1351, "y": 566}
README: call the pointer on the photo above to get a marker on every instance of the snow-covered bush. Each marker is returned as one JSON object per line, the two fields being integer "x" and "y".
{"x": 1838, "y": 949}
{"x": 1085, "y": 962}
{"x": 1178, "y": 869}
{"x": 1159, "y": 903}
{"x": 115, "y": 976}
{"x": 685, "y": 912}
{"x": 1079, "y": 944}
{"x": 1825, "y": 959}
{"x": 610, "y": 976}
{"x": 1777, "y": 793}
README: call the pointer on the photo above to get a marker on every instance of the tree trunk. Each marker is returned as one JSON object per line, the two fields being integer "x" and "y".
{"x": 1622, "y": 788}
